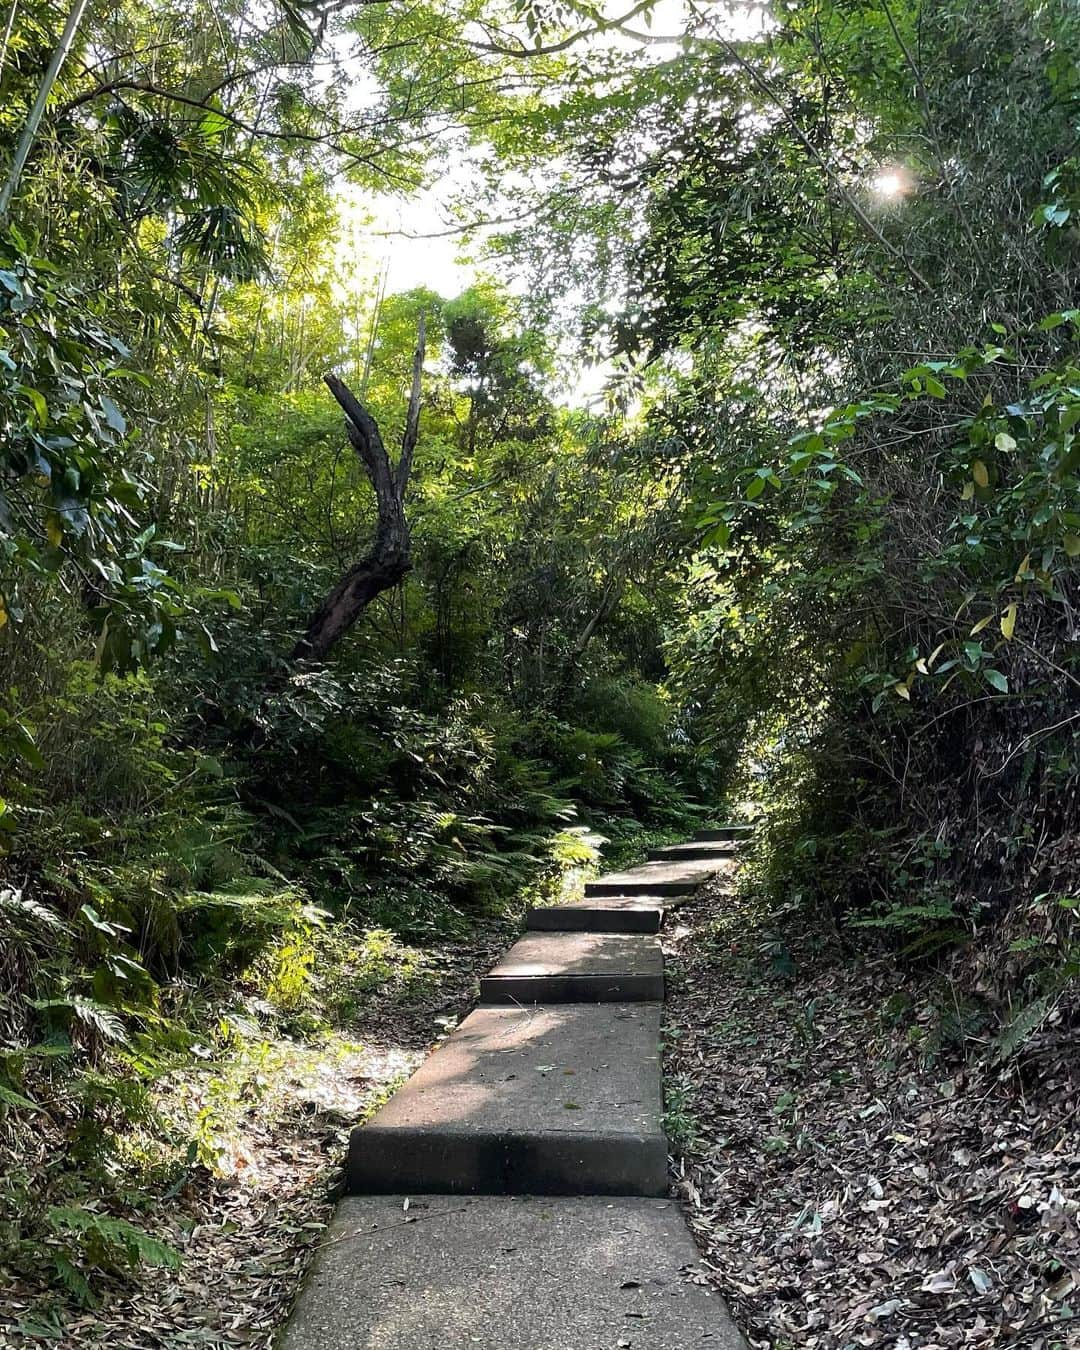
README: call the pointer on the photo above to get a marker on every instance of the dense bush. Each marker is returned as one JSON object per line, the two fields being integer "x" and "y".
{"x": 887, "y": 574}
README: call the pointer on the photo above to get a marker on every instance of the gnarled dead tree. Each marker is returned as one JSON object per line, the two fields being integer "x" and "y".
{"x": 390, "y": 558}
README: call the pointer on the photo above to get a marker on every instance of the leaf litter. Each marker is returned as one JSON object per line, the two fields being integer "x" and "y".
{"x": 852, "y": 1178}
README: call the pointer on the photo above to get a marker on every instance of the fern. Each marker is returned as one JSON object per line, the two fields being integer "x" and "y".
{"x": 1021, "y": 1027}
{"x": 15, "y": 902}
{"x": 257, "y": 904}
{"x": 16, "y": 1099}
{"x": 107, "y": 1241}
{"x": 104, "y": 1020}
{"x": 73, "y": 1280}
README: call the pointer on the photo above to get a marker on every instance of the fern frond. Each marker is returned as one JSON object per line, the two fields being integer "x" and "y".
{"x": 14, "y": 902}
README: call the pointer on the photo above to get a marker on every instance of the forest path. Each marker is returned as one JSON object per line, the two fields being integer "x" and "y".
{"x": 512, "y": 1195}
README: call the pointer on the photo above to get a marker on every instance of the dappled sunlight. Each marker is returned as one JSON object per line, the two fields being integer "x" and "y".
{"x": 523, "y": 1069}
{"x": 598, "y": 953}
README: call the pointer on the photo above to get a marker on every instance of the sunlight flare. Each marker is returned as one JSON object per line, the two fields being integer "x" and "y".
{"x": 891, "y": 184}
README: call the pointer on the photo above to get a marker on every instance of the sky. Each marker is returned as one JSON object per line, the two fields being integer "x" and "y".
{"x": 412, "y": 241}
{"x": 406, "y": 236}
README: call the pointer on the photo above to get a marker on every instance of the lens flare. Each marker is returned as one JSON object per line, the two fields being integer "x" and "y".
{"x": 890, "y": 183}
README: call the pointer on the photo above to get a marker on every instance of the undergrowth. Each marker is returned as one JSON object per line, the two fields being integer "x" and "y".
{"x": 186, "y": 920}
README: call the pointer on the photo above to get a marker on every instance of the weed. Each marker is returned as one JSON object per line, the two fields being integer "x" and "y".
{"x": 679, "y": 1124}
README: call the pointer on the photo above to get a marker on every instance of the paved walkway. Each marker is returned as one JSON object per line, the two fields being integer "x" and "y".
{"x": 511, "y": 1196}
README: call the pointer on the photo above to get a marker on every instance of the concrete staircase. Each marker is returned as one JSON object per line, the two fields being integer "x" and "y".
{"x": 510, "y": 1195}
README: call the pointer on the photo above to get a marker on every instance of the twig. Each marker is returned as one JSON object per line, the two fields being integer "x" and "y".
{"x": 375, "y": 1227}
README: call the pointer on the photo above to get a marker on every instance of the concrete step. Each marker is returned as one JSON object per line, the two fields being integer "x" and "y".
{"x": 725, "y": 832}
{"x": 561, "y": 1100}
{"x": 653, "y": 878}
{"x": 717, "y": 850}
{"x": 602, "y": 914}
{"x": 508, "y": 1273}
{"x": 578, "y": 967}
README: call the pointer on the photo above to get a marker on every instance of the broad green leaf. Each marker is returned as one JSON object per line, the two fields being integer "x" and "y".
{"x": 113, "y": 415}
{"x": 37, "y": 399}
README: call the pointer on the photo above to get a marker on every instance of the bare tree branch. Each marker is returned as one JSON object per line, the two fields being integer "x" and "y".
{"x": 389, "y": 559}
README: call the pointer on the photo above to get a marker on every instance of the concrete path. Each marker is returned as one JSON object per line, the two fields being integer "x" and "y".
{"x": 561, "y": 1100}
{"x": 508, "y": 1273}
{"x": 551, "y": 1088}
{"x": 660, "y": 877}
{"x": 602, "y": 914}
{"x": 703, "y": 850}
{"x": 577, "y": 967}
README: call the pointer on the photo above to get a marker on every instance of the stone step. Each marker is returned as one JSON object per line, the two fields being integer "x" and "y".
{"x": 717, "y": 850}
{"x": 653, "y": 878}
{"x": 561, "y": 1100}
{"x": 577, "y": 967}
{"x": 508, "y": 1273}
{"x": 725, "y": 832}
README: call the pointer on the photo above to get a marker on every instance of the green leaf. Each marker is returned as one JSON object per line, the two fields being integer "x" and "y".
{"x": 718, "y": 537}
{"x": 94, "y": 919}
{"x": 1025, "y": 1022}
{"x": 100, "y": 1018}
{"x": 1053, "y": 321}
{"x": 16, "y": 737}
{"x": 73, "y": 1280}
{"x": 113, "y": 415}
{"x": 117, "y": 1233}
{"x": 997, "y": 680}
{"x": 8, "y": 1097}
{"x": 37, "y": 399}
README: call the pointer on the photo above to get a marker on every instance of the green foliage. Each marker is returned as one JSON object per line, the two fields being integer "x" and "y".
{"x": 819, "y": 554}
{"x": 218, "y": 832}
{"x": 102, "y": 1242}
{"x": 72, "y": 488}
{"x": 679, "y": 1117}
{"x": 879, "y": 447}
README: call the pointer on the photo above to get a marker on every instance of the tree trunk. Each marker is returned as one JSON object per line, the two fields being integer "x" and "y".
{"x": 389, "y": 559}
{"x": 387, "y": 563}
